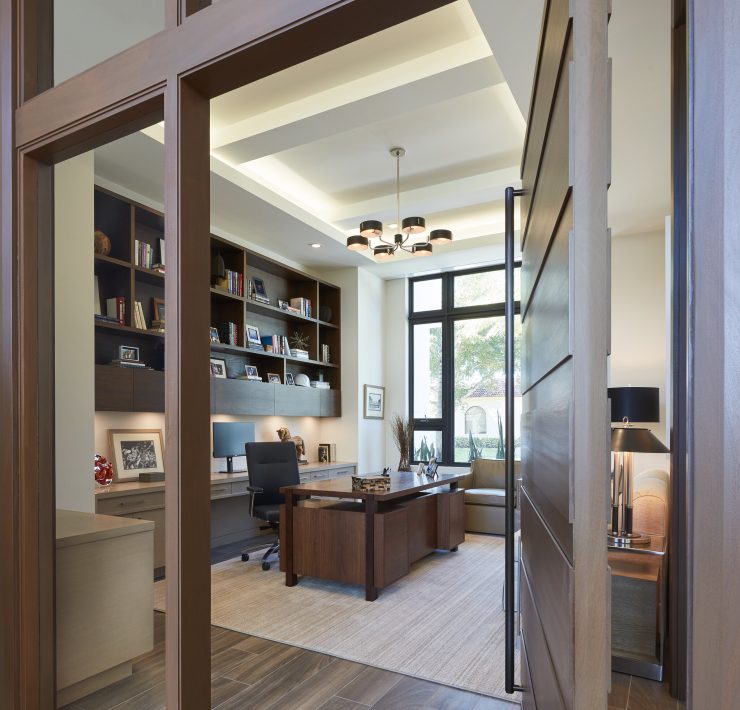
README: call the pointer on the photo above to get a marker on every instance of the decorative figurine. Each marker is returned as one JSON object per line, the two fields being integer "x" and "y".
{"x": 300, "y": 448}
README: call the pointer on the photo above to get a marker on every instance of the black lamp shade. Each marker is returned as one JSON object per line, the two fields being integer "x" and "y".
{"x": 637, "y": 440}
{"x": 638, "y": 404}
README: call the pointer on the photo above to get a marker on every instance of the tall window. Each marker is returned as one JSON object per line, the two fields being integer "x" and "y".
{"x": 457, "y": 365}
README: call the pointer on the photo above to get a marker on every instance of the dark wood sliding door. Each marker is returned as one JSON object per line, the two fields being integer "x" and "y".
{"x": 565, "y": 326}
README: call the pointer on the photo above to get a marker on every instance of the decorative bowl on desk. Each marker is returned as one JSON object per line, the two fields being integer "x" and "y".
{"x": 371, "y": 484}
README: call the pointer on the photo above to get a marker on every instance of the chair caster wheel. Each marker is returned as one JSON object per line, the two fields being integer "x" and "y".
{"x": 245, "y": 557}
{"x": 265, "y": 566}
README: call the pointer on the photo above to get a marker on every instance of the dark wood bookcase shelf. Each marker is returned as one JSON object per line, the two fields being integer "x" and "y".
{"x": 121, "y": 389}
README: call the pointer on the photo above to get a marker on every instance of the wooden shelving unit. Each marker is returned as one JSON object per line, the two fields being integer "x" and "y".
{"x": 125, "y": 221}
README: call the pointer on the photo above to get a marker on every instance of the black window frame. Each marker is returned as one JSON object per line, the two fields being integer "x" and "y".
{"x": 448, "y": 315}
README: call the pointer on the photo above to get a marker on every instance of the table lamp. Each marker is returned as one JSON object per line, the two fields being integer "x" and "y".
{"x": 630, "y": 404}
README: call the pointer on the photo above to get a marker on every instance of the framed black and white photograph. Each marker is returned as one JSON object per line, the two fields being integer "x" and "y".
{"x": 283, "y": 305}
{"x": 253, "y": 336}
{"x": 259, "y": 287}
{"x": 214, "y": 335}
{"x": 128, "y": 353}
{"x": 252, "y": 373}
{"x": 374, "y": 402}
{"x": 218, "y": 368}
{"x": 323, "y": 453}
{"x": 136, "y": 451}
{"x": 273, "y": 378}
{"x": 289, "y": 378}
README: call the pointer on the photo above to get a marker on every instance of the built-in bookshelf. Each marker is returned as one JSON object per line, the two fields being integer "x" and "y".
{"x": 135, "y": 232}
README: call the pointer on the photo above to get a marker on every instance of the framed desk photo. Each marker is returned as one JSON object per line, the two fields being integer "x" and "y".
{"x": 374, "y": 396}
{"x": 136, "y": 451}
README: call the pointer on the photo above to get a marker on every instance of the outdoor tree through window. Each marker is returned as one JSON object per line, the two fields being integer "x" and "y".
{"x": 457, "y": 366}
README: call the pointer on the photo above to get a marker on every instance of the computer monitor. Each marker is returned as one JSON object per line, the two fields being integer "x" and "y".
{"x": 229, "y": 439}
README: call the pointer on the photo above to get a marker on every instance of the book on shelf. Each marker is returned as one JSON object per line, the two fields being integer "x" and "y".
{"x": 139, "y": 320}
{"x": 161, "y": 254}
{"x": 320, "y": 385}
{"x": 227, "y": 332}
{"x": 325, "y": 354}
{"x": 303, "y": 305}
{"x": 127, "y": 363}
{"x": 233, "y": 282}
{"x": 300, "y": 354}
{"x": 116, "y": 308}
{"x": 143, "y": 254}
{"x": 106, "y": 319}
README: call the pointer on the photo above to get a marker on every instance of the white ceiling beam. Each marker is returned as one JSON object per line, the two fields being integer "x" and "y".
{"x": 314, "y": 119}
{"x": 478, "y": 189}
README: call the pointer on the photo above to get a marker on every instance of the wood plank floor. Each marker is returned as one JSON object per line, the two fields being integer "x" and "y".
{"x": 250, "y": 672}
{"x": 633, "y": 693}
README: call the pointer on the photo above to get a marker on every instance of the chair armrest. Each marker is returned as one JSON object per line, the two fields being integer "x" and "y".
{"x": 253, "y": 490}
{"x": 467, "y": 482}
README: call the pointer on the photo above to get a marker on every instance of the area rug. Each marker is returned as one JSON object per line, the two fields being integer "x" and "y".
{"x": 442, "y": 622}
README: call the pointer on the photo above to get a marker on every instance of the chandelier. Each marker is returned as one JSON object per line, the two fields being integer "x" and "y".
{"x": 373, "y": 229}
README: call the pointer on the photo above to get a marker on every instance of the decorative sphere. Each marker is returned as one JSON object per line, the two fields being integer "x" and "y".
{"x": 102, "y": 243}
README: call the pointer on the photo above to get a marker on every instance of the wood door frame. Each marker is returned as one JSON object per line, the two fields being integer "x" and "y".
{"x": 174, "y": 73}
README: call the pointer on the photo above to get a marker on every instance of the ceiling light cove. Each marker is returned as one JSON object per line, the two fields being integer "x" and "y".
{"x": 373, "y": 229}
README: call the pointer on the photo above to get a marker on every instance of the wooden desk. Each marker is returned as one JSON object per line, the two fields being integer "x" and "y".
{"x": 370, "y": 537}
{"x": 638, "y": 608}
{"x": 230, "y": 518}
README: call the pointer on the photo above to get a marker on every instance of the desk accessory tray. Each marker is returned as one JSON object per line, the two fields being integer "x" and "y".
{"x": 372, "y": 484}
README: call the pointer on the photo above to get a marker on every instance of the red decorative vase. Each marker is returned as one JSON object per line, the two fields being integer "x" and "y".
{"x": 103, "y": 471}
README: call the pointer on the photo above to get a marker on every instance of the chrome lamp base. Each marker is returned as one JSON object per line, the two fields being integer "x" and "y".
{"x": 628, "y": 539}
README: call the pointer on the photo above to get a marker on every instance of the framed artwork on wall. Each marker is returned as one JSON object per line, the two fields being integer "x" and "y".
{"x": 374, "y": 397}
{"x": 136, "y": 451}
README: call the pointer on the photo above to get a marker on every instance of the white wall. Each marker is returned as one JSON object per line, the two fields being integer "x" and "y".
{"x": 74, "y": 345}
{"x": 640, "y": 322}
{"x": 396, "y": 333}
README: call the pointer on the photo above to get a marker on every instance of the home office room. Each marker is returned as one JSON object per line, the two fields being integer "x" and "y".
{"x": 351, "y": 278}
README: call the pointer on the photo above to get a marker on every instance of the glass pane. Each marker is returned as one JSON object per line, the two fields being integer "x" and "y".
{"x": 87, "y": 32}
{"x": 480, "y": 380}
{"x": 427, "y": 371}
{"x": 427, "y": 295}
{"x": 483, "y": 288}
{"x": 427, "y": 445}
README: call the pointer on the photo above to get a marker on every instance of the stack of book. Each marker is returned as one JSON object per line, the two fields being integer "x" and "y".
{"x": 320, "y": 384}
{"x": 300, "y": 354}
{"x": 127, "y": 363}
{"x": 234, "y": 282}
{"x": 144, "y": 256}
{"x": 325, "y": 354}
{"x": 255, "y": 295}
{"x": 302, "y": 306}
{"x": 139, "y": 321}
{"x": 227, "y": 333}
{"x": 116, "y": 308}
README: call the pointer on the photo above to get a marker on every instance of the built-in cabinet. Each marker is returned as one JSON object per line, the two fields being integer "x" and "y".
{"x": 129, "y": 225}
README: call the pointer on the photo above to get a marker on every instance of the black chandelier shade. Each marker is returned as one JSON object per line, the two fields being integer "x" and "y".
{"x": 637, "y": 404}
{"x": 357, "y": 242}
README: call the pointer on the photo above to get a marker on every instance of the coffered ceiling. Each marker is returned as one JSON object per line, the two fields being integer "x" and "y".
{"x": 302, "y": 156}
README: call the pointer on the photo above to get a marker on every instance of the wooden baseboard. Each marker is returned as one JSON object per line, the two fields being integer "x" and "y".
{"x": 90, "y": 685}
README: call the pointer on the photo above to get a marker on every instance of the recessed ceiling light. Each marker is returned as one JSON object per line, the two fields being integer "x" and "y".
{"x": 392, "y": 226}
{"x": 314, "y": 245}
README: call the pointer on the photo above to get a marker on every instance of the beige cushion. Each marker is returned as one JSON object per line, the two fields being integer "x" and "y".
{"x": 485, "y": 496}
{"x": 650, "y": 501}
{"x": 491, "y": 473}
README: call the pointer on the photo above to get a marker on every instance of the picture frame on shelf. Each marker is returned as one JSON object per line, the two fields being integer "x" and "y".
{"x": 158, "y": 309}
{"x": 289, "y": 380}
{"x": 128, "y": 353}
{"x": 218, "y": 368}
{"x": 136, "y": 451}
{"x": 323, "y": 453}
{"x": 260, "y": 291}
{"x": 273, "y": 378}
{"x": 283, "y": 305}
{"x": 374, "y": 402}
{"x": 252, "y": 373}
{"x": 215, "y": 338}
{"x": 252, "y": 333}
{"x": 332, "y": 448}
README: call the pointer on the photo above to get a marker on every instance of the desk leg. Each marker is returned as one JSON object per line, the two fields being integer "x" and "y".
{"x": 453, "y": 488}
{"x": 371, "y": 507}
{"x": 291, "y": 579}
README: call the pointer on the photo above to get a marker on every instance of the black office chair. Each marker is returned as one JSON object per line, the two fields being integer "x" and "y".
{"x": 271, "y": 465}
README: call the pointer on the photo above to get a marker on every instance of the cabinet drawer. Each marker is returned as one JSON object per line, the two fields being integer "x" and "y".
{"x": 239, "y": 488}
{"x": 119, "y": 505}
{"x": 304, "y": 477}
{"x": 342, "y": 472}
{"x": 221, "y": 490}
{"x": 319, "y": 475}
